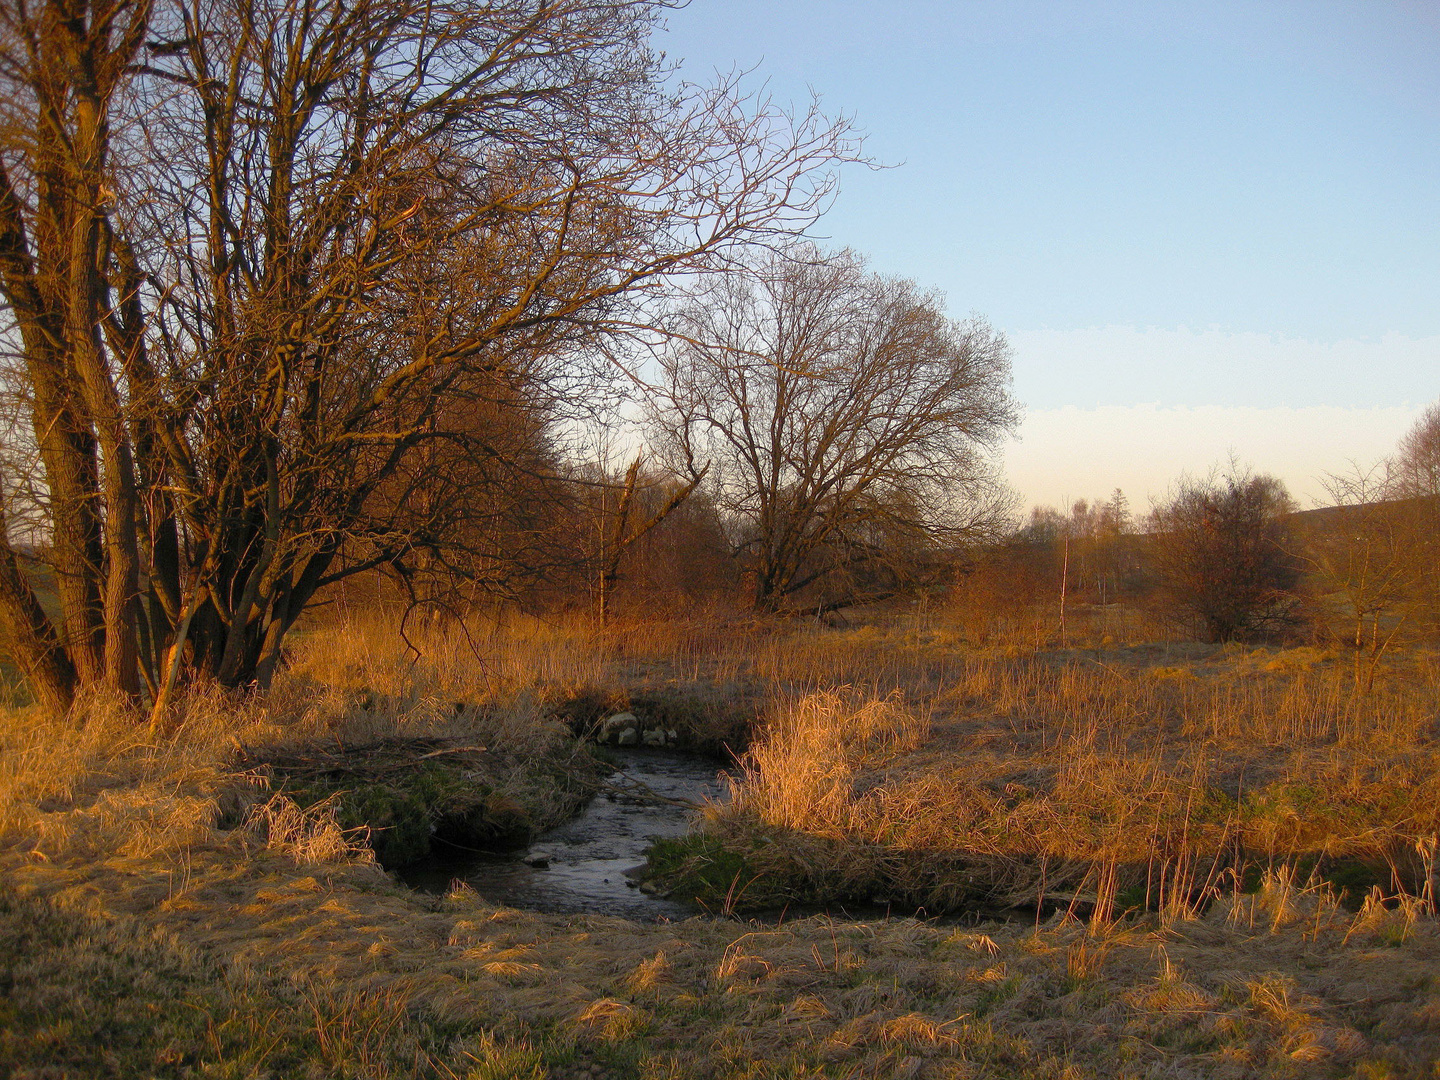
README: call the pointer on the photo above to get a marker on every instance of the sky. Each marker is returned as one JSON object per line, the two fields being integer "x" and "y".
{"x": 1208, "y": 229}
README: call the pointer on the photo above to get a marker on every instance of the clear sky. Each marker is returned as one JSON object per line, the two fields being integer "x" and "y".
{"x": 1205, "y": 226}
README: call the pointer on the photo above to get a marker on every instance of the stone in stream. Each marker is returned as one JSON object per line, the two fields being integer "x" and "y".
{"x": 653, "y": 737}
{"x": 613, "y": 726}
{"x": 628, "y": 737}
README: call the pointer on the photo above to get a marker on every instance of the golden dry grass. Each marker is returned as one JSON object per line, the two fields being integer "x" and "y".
{"x": 106, "y": 778}
{"x": 162, "y": 914}
{"x": 1083, "y": 777}
{"x": 1282, "y": 983}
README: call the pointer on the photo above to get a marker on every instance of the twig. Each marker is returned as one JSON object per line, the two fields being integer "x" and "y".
{"x": 645, "y": 792}
{"x": 453, "y": 750}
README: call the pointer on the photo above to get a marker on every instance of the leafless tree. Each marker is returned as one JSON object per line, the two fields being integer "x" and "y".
{"x": 62, "y": 68}
{"x": 638, "y": 510}
{"x": 1415, "y": 475}
{"x": 845, "y": 420}
{"x": 1364, "y": 552}
{"x": 1222, "y": 549}
{"x": 254, "y": 252}
{"x": 1417, "y": 462}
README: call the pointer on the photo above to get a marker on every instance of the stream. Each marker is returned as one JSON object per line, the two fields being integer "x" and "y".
{"x": 581, "y": 866}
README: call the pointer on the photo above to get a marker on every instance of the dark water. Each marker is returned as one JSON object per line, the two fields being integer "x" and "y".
{"x": 590, "y": 854}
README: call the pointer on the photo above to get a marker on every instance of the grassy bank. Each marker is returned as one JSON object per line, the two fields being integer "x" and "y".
{"x": 170, "y": 908}
{"x": 1099, "y": 782}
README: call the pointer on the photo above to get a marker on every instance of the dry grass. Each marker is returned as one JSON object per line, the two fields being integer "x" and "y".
{"x": 162, "y": 914}
{"x": 804, "y": 767}
{"x": 336, "y": 973}
{"x": 105, "y": 780}
{"x": 1083, "y": 779}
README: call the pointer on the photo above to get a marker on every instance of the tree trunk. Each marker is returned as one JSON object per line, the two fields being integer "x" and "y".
{"x": 31, "y": 639}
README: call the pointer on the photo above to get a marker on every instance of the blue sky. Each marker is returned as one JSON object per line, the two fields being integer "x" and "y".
{"x": 1176, "y": 206}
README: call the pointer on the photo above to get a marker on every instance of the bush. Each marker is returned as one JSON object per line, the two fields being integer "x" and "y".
{"x": 1221, "y": 550}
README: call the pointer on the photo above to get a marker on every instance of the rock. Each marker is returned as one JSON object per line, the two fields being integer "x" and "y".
{"x": 613, "y": 726}
{"x": 653, "y": 737}
{"x": 538, "y": 861}
{"x": 672, "y": 737}
{"x": 629, "y": 737}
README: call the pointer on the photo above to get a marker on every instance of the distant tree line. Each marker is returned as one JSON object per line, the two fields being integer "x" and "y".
{"x": 1229, "y": 557}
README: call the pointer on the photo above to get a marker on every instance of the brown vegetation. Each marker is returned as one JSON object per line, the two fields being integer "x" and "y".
{"x": 314, "y": 304}
{"x": 1076, "y": 780}
{"x": 1223, "y": 552}
{"x": 141, "y": 873}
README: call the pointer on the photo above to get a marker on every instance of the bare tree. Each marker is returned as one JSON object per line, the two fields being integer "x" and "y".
{"x": 1417, "y": 462}
{"x": 483, "y": 509}
{"x": 1221, "y": 547}
{"x": 845, "y": 420}
{"x": 638, "y": 509}
{"x": 62, "y": 67}
{"x": 1363, "y": 550}
{"x": 1415, "y": 473}
{"x": 1376, "y": 550}
{"x": 245, "y": 315}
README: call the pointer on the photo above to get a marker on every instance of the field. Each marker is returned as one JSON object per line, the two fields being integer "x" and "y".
{"x": 1158, "y": 860}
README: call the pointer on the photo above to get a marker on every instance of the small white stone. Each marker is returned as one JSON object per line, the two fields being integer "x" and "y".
{"x": 612, "y": 725}
{"x": 629, "y": 737}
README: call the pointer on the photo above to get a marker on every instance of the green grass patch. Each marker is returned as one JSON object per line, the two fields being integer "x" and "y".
{"x": 699, "y": 869}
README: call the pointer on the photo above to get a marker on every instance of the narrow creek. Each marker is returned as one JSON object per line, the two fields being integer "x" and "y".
{"x": 581, "y": 867}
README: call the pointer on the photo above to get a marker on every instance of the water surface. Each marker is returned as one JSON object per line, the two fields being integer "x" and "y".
{"x": 590, "y": 855}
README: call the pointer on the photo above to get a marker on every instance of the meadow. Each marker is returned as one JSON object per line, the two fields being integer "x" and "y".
{"x": 1152, "y": 859}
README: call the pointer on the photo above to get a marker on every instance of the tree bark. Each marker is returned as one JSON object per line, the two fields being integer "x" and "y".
{"x": 31, "y": 639}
